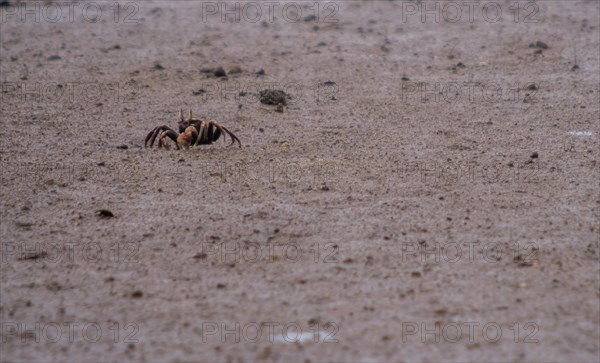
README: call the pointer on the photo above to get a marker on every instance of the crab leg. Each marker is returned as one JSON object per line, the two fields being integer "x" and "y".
{"x": 202, "y": 133}
{"x": 151, "y": 134}
{"x": 220, "y": 128}
{"x": 233, "y": 137}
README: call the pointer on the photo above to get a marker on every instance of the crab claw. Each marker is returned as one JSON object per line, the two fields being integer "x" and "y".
{"x": 152, "y": 135}
{"x": 163, "y": 143}
{"x": 185, "y": 138}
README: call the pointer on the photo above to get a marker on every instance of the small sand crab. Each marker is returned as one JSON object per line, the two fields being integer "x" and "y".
{"x": 192, "y": 132}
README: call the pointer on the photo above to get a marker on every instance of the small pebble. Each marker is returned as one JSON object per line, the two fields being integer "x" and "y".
{"x": 105, "y": 213}
{"x": 219, "y": 72}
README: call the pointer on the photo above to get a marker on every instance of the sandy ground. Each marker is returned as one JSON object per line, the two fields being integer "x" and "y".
{"x": 429, "y": 192}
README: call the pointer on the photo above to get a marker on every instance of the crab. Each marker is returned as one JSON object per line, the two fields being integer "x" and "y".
{"x": 192, "y": 132}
